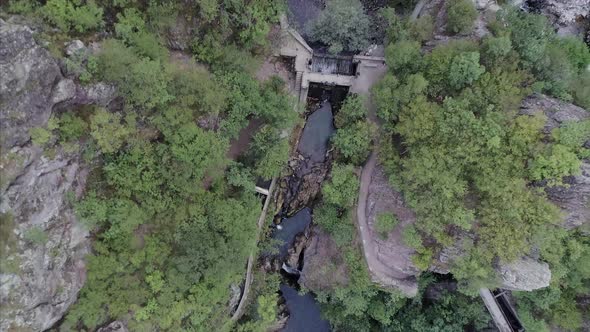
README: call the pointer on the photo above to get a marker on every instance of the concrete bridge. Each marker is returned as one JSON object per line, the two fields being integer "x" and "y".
{"x": 365, "y": 70}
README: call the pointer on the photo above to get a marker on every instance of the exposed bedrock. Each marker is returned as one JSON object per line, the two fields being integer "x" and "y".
{"x": 574, "y": 197}
{"x": 42, "y": 245}
{"x": 392, "y": 254}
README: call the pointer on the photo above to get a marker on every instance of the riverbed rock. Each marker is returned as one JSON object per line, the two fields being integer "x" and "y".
{"x": 43, "y": 245}
{"x": 324, "y": 267}
{"x": 525, "y": 274}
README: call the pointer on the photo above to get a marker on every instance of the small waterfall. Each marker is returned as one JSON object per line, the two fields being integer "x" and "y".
{"x": 290, "y": 270}
{"x": 331, "y": 64}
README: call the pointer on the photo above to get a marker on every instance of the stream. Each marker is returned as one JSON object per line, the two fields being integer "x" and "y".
{"x": 313, "y": 151}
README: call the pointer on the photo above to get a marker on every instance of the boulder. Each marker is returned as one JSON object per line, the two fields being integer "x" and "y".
{"x": 525, "y": 274}
{"x": 116, "y": 326}
{"x": 324, "y": 267}
{"x": 75, "y": 47}
{"x": 63, "y": 91}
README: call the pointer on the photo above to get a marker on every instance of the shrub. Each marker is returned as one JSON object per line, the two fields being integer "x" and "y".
{"x": 71, "y": 127}
{"x": 411, "y": 237}
{"x": 460, "y": 16}
{"x": 422, "y": 28}
{"x": 494, "y": 49}
{"x": 557, "y": 162}
{"x": 36, "y": 235}
{"x": 343, "y": 26}
{"x": 40, "y": 136}
{"x": 581, "y": 90}
{"x": 22, "y": 7}
{"x": 385, "y": 223}
{"x": 66, "y": 15}
{"x": 107, "y": 130}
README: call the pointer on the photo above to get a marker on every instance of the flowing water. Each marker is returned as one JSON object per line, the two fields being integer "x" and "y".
{"x": 304, "y": 311}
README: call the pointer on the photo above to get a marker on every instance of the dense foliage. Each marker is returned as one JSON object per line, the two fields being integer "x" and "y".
{"x": 465, "y": 158}
{"x": 173, "y": 222}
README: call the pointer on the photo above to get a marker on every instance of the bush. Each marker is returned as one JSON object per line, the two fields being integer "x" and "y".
{"x": 422, "y": 28}
{"x": 495, "y": 49}
{"x": 581, "y": 90}
{"x": 36, "y": 235}
{"x": 40, "y": 136}
{"x": 353, "y": 109}
{"x": 71, "y": 127}
{"x": 22, "y": 7}
{"x": 67, "y": 16}
{"x": 460, "y": 16}
{"x": 385, "y": 223}
{"x": 343, "y": 26}
{"x": 557, "y": 162}
{"x": 107, "y": 130}
{"x": 411, "y": 237}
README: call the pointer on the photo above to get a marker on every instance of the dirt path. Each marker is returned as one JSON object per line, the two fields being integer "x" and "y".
{"x": 380, "y": 273}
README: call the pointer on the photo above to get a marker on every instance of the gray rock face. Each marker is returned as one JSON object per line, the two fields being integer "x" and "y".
{"x": 391, "y": 251}
{"x": 115, "y": 326}
{"x": 574, "y": 198}
{"x": 525, "y": 274}
{"x": 27, "y": 77}
{"x": 567, "y": 11}
{"x": 43, "y": 246}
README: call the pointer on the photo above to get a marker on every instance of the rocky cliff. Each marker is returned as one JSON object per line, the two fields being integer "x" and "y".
{"x": 574, "y": 197}
{"x": 42, "y": 245}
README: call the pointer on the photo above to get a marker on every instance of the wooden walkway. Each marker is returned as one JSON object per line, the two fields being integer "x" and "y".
{"x": 251, "y": 259}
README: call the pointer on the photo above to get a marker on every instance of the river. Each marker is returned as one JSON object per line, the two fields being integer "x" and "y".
{"x": 304, "y": 311}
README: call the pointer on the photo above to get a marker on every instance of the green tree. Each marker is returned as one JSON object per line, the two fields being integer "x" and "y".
{"x": 557, "y": 162}
{"x": 67, "y": 15}
{"x": 465, "y": 69}
{"x": 385, "y": 223}
{"x": 342, "y": 188}
{"x": 352, "y": 110}
{"x": 354, "y": 141}
{"x": 460, "y": 16}
{"x": 404, "y": 57}
{"x": 342, "y": 25}
{"x": 107, "y": 130}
